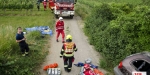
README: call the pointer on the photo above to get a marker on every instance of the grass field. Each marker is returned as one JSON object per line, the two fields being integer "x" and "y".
{"x": 10, "y": 56}
{"x": 121, "y": 1}
{"x": 84, "y": 7}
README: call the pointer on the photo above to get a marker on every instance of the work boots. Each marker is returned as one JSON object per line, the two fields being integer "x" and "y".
{"x": 69, "y": 70}
{"x": 57, "y": 40}
{"x": 66, "y": 69}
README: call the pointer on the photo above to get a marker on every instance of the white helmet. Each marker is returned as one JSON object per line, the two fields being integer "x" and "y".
{"x": 88, "y": 61}
{"x": 60, "y": 18}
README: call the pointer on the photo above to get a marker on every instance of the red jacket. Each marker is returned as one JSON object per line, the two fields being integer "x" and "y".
{"x": 89, "y": 72}
{"x": 60, "y": 25}
{"x": 44, "y": 3}
{"x": 51, "y": 3}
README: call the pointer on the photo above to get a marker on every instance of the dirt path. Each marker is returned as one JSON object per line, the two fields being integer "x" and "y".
{"x": 73, "y": 27}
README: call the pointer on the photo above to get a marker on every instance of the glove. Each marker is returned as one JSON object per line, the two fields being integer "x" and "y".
{"x": 60, "y": 56}
{"x": 75, "y": 50}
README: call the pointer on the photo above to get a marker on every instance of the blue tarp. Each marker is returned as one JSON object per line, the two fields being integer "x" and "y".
{"x": 43, "y": 29}
{"x": 80, "y": 64}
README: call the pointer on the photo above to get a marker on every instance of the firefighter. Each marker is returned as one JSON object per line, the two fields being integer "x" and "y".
{"x": 67, "y": 53}
{"x": 51, "y": 5}
{"x": 60, "y": 29}
{"x": 44, "y": 4}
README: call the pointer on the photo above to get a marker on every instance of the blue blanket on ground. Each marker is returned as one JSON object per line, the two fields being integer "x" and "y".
{"x": 43, "y": 29}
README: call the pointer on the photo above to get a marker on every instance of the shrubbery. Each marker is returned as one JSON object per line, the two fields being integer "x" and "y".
{"x": 118, "y": 30}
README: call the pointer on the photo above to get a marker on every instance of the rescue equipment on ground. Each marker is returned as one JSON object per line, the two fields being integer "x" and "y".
{"x": 87, "y": 68}
{"x": 52, "y": 69}
{"x": 54, "y": 65}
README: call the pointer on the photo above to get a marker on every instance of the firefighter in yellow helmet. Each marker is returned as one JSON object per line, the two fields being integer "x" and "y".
{"x": 67, "y": 53}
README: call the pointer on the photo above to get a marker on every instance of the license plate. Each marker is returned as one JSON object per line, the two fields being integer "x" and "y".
{"x": 64, "y": 12}
{"x": 64, "y": 8}
{"x": 138, "y": 73}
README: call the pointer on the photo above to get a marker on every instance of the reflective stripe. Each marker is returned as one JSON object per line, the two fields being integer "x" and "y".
{"x": 75, "y": 49}
{"x": 69, "y": 68}
{"x": 69, "y": 47}
{"x": 60, "y": 27}
{"x": 65, "y": 65}
{"x": 68, "y": 55}
{"x": 62, "y": 49}
{"x": 68, "y": 50}
{"x": 61, "y": 55}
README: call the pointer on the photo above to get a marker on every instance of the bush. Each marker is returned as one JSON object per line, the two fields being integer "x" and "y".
{"x": 80, "y": 8}
{"x": 118, "y": 30}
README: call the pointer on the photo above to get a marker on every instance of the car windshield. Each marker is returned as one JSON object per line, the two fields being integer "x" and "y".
{"x": 142, "y": 65}
{"x": 65, "y": 1}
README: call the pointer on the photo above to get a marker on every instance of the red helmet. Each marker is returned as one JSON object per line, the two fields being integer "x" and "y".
{"x": 86, "y": 66}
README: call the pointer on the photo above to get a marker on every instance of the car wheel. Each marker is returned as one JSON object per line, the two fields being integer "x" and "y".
{"x": 71, "y": 16}
{"x": 56, "y": 16}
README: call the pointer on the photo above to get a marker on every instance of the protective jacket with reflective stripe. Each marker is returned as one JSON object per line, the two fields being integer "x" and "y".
{"x": 68, "y": 49}
{"x": 60, "y": 25}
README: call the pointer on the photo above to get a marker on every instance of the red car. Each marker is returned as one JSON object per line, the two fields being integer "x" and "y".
{"x": 139, "y": 62}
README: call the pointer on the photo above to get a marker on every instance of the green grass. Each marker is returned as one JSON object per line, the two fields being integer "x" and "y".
{"x": 121, "y": 1}
{"x": 84, "y": 9}
{"x": 11, "y": 61}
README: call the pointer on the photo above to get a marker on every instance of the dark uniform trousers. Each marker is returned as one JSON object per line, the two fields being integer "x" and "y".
{"x": 68, "y": 62}
{"x": 24, "y": 47}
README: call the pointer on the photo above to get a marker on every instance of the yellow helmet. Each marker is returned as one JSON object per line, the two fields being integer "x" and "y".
{"x": 69, "y": 37}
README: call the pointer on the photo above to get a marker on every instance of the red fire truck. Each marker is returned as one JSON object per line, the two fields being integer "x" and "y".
{"x": 62, "y": 7}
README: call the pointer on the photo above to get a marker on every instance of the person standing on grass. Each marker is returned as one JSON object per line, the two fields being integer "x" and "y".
{"x": 44, "y": 4}
{"x": 60, "y": 29}
{"x": 38, "y": 4}
{"x": 51, "y": 5}
{"x": 22, "y": 43}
